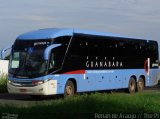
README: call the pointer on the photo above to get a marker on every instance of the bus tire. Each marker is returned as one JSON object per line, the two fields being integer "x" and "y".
{"x": 132, "y": 85}
{"x": 69, "y": 89}
{"x": 140, "y": 85}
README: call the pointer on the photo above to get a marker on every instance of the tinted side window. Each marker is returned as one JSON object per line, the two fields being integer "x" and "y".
{"x": 114, "y": 47}
{"x": 58, "y": 54}
{"x": 96, "y": 46}
{"x": 153, "y": 49}
{"x": 56, "y": 58}
{"x": 88, "y": 45}
{"x": 80, "y": 46}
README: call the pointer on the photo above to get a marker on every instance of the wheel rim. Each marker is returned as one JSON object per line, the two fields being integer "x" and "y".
{"x": 69, "y": 90}
{"x": 132, "y": 86}
{"x": 140, "y": 85}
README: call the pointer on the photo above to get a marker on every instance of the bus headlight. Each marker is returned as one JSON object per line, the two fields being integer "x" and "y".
{"x": 37, "y": 82}
{"x": 9, "y": 81}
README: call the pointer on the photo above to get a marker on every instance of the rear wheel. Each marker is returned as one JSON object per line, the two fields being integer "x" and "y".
{"x": 132, "y": 85}
{"x": 69, "y": 89}
{"x": 140, "y": 85}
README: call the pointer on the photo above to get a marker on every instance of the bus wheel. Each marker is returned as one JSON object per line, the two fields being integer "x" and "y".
{"x": 140, "y": 85}
{"x": 69, "y": 89}
{"x": 132, "y": 85}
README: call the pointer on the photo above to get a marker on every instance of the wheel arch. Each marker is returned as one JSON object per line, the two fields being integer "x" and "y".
{"x": 134, "y": 76}
{"x": 74, "y": 82}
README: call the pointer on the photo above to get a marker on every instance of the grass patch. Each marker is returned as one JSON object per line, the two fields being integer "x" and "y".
{"x": 3, "y": 84}
{"x": 85, "y": 106}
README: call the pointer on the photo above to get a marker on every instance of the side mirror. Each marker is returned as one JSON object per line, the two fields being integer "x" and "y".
{"x": 5, "y": 53}
{"x": 48, "y": 50}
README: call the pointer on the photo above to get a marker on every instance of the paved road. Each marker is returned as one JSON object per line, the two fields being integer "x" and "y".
{"x": 10, "y": 99}
{"x": 23, "y": 100}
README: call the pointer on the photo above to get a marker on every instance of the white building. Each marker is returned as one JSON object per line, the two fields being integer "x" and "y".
{"x": 4, "y": 67}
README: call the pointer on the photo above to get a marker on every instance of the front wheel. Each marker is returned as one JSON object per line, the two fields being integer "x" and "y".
{"x": 132, "y": 85}
{"x": 69, "y": 89}
{"x": 140, "y": 85}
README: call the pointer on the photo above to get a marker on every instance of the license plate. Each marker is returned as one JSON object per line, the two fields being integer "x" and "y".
{"x": 23, "y": 90}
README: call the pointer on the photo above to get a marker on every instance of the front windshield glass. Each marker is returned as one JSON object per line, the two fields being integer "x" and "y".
{"x": 25, "y": 64}
{"x": 27, "y": 59}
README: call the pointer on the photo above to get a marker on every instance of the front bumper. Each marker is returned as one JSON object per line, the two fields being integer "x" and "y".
{"x": 47, "y": 88}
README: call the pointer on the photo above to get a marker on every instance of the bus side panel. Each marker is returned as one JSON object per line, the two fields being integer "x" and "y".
{"x": 154, "y": 77}
{"x": 86, "y": 83}
{"x": 132, "y": 72}
{"x": 95, "y": 80}
{"x": 82, "y": 85}
{"x": 106, "y": 79}
{"x": 150, "y": 80}
{"x": 113, "y": 79}
{"x": 117, "y": 79}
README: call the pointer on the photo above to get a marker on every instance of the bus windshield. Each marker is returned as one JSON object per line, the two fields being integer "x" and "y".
{"x": 27, "y": 58}
{"x": 27, "y": 63}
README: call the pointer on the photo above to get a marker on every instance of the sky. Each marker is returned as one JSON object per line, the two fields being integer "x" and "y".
{"x": 131, "y": 18}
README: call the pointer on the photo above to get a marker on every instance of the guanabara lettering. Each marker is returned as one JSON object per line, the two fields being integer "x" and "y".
{"x": 104, "y": 64}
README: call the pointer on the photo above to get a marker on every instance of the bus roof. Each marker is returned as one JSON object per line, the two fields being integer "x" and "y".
{"x": 57, "y": 32}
